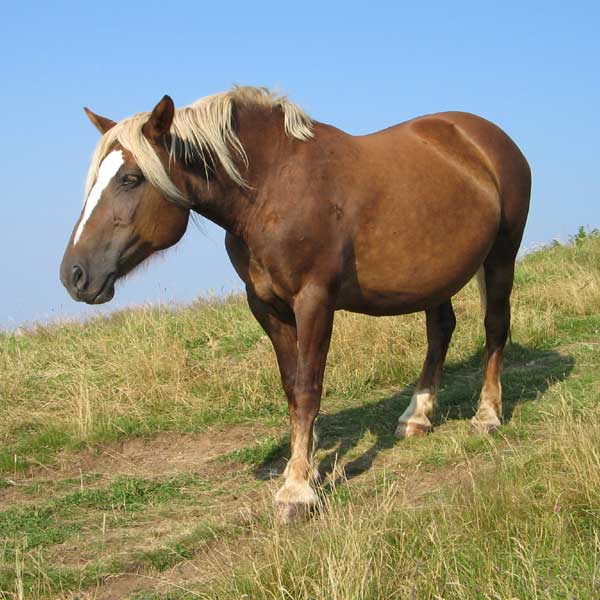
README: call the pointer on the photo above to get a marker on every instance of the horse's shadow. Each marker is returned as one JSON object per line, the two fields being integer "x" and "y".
{"x": 527, "y": 374}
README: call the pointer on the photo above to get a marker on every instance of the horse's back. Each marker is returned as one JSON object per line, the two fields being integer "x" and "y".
{"x": 465, "y": 139}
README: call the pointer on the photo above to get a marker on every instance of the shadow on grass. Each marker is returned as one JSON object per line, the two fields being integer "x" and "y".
{"x": 527, "y": 374}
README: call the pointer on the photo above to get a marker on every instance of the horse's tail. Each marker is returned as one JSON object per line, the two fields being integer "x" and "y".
{"x": 482, "y": 289}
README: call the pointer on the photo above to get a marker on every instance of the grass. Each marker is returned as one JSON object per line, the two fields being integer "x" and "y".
{"x": 186, "y": 547}
{"x": 515, "y": 515}
{"x": 265, "y": 451}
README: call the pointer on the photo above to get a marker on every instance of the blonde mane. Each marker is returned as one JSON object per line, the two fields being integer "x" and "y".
{"x": 204, "y": 128}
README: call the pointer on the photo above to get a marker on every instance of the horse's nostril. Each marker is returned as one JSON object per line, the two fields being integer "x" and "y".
{"x": 78, "y": 278}
{"x": 77, "y": 273}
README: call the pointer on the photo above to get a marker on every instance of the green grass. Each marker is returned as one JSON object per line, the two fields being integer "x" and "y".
{"x": 266, "y": 451}
{"x": 452, "y": 515}
{"x": 55, "y": 520}
{"x": 185, "y": 547}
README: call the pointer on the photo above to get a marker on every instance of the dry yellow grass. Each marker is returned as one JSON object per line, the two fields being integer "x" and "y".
{"x": 211, "y": 359}
{"x": 450, "y": 516}
{"x": 525, "y": 523}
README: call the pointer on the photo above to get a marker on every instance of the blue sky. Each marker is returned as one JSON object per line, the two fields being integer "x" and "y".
{"x": 531, "y": 67}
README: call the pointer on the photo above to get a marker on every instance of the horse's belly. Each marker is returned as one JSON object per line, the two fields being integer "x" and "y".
{"x": 413, "y": 257}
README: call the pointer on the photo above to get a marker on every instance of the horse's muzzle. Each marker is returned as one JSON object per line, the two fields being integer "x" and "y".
{"x": 84, "y": 288}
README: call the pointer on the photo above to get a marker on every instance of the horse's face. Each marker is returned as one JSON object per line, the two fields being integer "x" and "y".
{"x": 123, "y": 222}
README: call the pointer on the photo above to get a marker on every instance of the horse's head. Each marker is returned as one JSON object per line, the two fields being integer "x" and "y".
{"x": 125, "y": 217}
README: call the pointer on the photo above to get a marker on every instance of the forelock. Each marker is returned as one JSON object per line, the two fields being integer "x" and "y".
{"x": 205, "y": 128}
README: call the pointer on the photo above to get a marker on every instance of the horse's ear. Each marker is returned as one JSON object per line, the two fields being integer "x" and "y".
{"x": 102, "y": 124}
{"x": 161, "y": 118}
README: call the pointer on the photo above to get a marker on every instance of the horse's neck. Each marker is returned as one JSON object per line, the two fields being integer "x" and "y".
{"x": 226, "y": 203}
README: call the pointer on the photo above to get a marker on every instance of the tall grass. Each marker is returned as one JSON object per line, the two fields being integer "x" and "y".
{"x": 449, "y": 516}
{"x": 144, "y": 370}
{"x": 526, "y": 524}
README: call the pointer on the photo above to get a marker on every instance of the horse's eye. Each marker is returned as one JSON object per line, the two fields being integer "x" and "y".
{"x": 131, "y": 179}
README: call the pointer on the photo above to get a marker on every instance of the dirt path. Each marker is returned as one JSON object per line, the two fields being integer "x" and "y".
{"x": 416, "y": 485}
{"x": 236, "y": 496}
{"x": 162, "y": 455}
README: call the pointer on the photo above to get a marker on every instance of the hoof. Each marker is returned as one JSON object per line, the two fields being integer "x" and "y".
{"x": 293, "y": 512}
{"x": 484, "y": 427}
{"x": 406, "y": 430}
{"x": 295, "y": 501}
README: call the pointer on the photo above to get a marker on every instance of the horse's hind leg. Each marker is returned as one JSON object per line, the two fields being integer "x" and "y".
{"x": 499, "y": 274}
{"x": 440, "y": 326}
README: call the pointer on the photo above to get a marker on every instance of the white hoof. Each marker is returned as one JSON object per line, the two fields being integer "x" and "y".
{"x": 295, "y": 500}
{"x": 487, "y": 425}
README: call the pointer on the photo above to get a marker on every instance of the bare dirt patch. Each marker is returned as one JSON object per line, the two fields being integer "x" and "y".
{"x": 163, "y": 455}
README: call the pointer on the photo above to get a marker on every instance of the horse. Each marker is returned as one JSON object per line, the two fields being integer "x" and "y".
{"x": 316, "y": 220}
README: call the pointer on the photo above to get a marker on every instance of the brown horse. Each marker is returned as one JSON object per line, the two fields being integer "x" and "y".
{"x": 317, "y": 220}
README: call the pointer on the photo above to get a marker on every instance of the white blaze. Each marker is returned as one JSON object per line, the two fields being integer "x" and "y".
{"x": 107, "y": 170}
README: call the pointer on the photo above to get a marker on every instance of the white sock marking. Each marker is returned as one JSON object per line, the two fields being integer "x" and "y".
{"x": 107, "y": 170}
{"x": 419, "y": 409}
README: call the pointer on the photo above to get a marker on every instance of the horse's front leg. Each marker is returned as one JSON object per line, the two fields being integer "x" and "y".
{"x": 313, "y": 309}
{"x": 281, "y": 329}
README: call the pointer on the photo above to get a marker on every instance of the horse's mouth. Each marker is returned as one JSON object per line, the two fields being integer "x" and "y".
{"x": 106, "y": 292}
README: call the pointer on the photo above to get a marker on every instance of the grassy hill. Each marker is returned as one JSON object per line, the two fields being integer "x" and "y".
{"x": 139, "y": 454}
